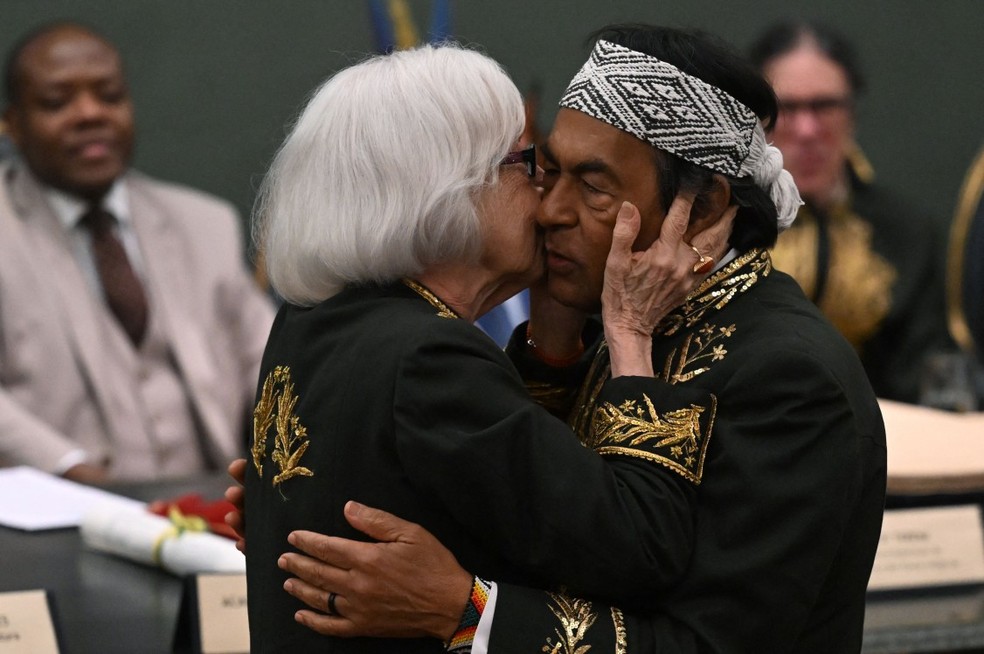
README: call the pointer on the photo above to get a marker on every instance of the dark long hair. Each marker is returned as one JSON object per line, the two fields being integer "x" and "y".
{"x": 784, "y": 37}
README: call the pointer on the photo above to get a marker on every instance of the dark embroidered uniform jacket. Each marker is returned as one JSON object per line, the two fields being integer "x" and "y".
{"x": 380, "y": 395}
{"x": 874, "y": 266}
{"x": 790, "y": 503}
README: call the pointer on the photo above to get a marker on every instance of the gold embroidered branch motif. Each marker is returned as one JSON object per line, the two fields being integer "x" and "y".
{"x": 857, "y": 281}
{"x": 718, "y": 290}
{"x": 262, "y": 419}
{"x": 291, "y": 440}
{"x": 290, "y": 435}
{"x": 673, "y": 439}
{"x": 576, "y": 617}
{"x": 703, "y": 346}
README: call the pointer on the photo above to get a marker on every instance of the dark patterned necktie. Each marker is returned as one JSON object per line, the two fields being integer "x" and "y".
{"x": 123, "y": 290}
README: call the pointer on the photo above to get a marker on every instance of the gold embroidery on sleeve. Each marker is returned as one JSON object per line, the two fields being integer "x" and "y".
{"x": 576, "y": 617}
{"x": 697, "y": 347}
{"x": 291, "y": 441}
{"x": 628, "y": 429}
{"x": 621, "y": 637}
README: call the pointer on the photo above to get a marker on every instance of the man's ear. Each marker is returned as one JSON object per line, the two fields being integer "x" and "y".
{"x": 709, "y": 206}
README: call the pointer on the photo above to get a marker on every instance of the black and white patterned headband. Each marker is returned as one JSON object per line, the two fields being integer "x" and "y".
{"x": 683, "y": 115}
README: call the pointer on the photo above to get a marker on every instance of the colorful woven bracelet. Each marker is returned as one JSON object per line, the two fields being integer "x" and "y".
{"x": 464, "y": 636}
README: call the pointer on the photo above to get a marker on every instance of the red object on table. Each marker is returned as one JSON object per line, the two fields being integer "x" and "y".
{"x": 213, "y": 512}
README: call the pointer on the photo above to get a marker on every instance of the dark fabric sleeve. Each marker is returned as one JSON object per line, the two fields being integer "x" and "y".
{"x": 784, "y": 497}
{"x": 515, "y": 477}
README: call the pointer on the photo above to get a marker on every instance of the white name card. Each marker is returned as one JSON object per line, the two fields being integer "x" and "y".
{"x": 938, "y": 546}
{"x": 222, "y": 618}
{"x": 26, "y": 626}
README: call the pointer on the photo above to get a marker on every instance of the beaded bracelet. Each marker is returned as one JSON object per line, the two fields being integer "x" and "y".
{"x": 549, "y": 360}
{"x": 464, "y": 636}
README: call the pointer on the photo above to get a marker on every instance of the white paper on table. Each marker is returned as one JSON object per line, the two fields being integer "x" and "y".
{"x": 33, "y": 500}
{"x": 136, "y": 534}
{"x": 933, "y": 451}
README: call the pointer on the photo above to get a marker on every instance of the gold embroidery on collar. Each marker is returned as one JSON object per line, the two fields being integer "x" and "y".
{"x": 291, "y": 441}
{"x": 553, "y": 398}
{"x": 718, "y": 290}
{"x": 443, "y": 310}
{"x": 696, "y": 347}
{"x": 576, "y": 616}
{"x": 587, "y": 397}
{"x": 628, "y": 429}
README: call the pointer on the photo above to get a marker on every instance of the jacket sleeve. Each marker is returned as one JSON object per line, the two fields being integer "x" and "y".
{"x": 617, "y": 522}
{"x": 789, "y": 481}
{"x": 27, "y": 440}
{"x": 528, "y": 620}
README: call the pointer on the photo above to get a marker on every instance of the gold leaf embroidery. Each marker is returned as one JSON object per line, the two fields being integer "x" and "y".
{"x": 555, "y": 399}
{"x": 673, "y": 439}
{"x": 621, "y": 636}
{"x": 262, "y": 419}
{"x": 576, "y": 617}
{"x": 718, "y": 290}
{"x": 696, "y": 347}
{"x": 443, "y": 310}
{"x": 856, "y": 294}
{"x": 587, "y": 397}
{"x": 291, "y": 440}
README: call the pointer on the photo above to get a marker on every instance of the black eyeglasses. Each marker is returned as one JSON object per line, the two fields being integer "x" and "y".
{"x": 527, "y": 156}
{"x": 823, "y": 107}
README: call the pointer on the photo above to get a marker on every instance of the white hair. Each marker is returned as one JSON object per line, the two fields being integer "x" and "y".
{"x": 379, "y": 176}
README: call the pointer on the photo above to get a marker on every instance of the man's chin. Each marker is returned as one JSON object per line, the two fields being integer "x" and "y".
{"x": 573, "y": 295}
{"x": 90, "y": 188}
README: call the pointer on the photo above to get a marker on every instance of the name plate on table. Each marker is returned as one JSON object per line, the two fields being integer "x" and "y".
{"x": 919, "y": 548}
{"x": 26, "y": 626}
{"x": 213, "y": 618}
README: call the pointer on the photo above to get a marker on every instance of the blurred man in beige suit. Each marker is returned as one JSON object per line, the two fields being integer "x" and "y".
{"x": 130, "y": 330}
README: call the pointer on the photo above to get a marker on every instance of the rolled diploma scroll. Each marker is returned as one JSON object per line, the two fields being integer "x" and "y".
{"x": 151, "y": 539}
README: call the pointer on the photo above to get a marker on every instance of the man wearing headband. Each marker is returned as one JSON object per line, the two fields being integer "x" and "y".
{"x": 791, "y": 480}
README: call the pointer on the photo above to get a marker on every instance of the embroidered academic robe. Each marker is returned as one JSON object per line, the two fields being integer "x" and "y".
{"x": 875, "y": 266}
{"x": 381, "y": 395}
{"x": 790, "y": 501}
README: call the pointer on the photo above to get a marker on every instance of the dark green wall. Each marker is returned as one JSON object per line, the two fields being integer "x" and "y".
{"x": 216, "y": 82}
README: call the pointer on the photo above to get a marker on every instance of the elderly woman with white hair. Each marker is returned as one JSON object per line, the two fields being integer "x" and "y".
{"x": 400, "y": 208}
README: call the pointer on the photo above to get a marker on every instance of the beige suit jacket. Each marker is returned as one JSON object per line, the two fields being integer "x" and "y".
{"x": 57, "y": 391}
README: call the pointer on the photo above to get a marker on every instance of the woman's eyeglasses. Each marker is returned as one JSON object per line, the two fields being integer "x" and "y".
{"x": 527, "y": 156}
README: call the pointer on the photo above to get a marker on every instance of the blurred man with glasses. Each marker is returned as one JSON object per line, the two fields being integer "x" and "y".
{"x": 868, "y": 259}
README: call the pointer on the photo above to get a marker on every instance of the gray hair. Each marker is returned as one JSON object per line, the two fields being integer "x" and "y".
{"x": 379, "y": 176}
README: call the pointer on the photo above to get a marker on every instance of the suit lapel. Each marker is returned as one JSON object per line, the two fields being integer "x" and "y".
{"x": 76, "y": 308}
{"x": 169, "y": 287}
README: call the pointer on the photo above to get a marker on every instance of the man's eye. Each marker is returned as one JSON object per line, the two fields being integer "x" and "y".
{"x": 590, "y": 189}
{"x": 113, "y": 97}
{"x": 51, "y": 103}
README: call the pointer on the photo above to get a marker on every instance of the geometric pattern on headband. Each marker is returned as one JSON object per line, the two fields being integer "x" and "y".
{"x": 660, "y": 104}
